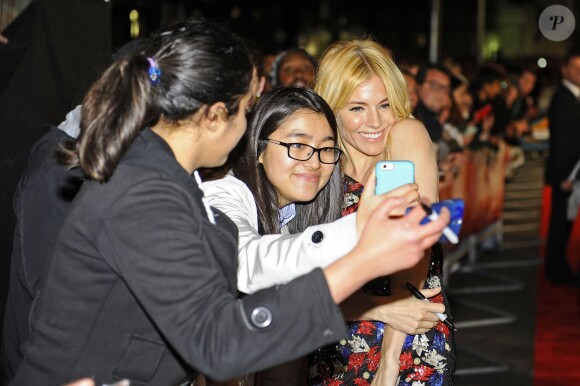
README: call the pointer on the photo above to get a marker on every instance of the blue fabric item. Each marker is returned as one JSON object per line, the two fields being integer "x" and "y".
{"x": 286, "y": 214}
{"x": 456, "y": 208}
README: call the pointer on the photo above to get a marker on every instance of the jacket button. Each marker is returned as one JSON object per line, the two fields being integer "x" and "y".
{"x": 261, "y": 317}
{"x": 317, "y": 237}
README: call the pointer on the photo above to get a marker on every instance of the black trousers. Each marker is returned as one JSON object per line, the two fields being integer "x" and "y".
{"x": 558, "y": 236}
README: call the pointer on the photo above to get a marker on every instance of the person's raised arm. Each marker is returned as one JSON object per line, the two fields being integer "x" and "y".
{"x": 266, "y": 260}
{"x": 386, "y": 246}
{"x": 212, "y": 327}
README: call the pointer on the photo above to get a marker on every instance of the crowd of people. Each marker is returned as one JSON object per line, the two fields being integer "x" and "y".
{"x": 208, "y": 216}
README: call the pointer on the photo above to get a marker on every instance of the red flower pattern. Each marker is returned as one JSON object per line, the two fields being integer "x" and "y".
{"x": 374, "y": 358}
{"x": 356, "y": 364}
{"x": 355, "y": 361}
{"x": 366, "y": 328}
{"x": 442, "y": 328}
{"x": 421, "y": 373}
{"x": 406, "y": 360}
{"x": 437, "y": 298}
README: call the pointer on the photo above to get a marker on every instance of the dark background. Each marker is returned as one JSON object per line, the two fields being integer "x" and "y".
{"x": 403, "y": 26}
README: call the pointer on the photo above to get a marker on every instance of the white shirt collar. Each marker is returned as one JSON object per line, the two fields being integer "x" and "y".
{"x": 72, "y": 124}
{"x": 572, "y": 87}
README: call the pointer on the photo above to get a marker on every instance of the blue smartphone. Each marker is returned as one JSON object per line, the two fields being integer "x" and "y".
{"x": 392, "y": 174}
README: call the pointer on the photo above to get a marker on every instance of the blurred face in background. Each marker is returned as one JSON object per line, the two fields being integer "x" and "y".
{"x": 463, "y": 100}
{"x": 445, "y": 110}
{"x": 296, "y": 70}
{"x": 526, "y": 83}
{"x": 571, "y": 71}
{"x": 492, "y": 89}
{"x": 435, "y": 90}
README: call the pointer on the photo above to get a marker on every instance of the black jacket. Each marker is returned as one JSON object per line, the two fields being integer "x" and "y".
{"x": 142, "y": 286}
{"x": 564, "y": 124}
{"x": 429, "y": 119}
{"x": 41, "y": 202}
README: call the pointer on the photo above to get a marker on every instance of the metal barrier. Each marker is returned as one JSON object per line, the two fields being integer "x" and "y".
{"x": 480, "y": 183}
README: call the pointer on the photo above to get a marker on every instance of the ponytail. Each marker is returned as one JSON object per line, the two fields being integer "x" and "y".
{"x": 184, "y": 67}
{"x": 114, "y": 111}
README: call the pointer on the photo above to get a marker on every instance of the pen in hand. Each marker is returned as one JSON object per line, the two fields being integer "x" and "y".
{"x": 442, "y": 317}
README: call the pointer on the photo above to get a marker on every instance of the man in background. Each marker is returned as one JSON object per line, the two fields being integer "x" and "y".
{"x": 564, "y": 152}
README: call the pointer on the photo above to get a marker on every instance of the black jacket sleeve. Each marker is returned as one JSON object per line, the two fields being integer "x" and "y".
{"x": 158, "y": 239}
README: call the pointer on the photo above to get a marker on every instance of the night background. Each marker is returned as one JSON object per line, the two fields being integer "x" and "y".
{"x": 471, "y": 32}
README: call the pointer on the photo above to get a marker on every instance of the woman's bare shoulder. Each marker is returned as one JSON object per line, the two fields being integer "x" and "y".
{"x": 410, "y": 130}
{"x": 408, "y": 126}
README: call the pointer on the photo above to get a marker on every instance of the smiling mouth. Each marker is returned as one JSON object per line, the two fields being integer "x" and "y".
{"x": 300, "y": 83}
{"x": 371, "y": 135}
{"x": 309, "y": 177}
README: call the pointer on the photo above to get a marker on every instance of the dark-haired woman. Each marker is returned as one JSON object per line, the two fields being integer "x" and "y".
{"x": 285, "y": 196}
{"x": 142, "y": 281}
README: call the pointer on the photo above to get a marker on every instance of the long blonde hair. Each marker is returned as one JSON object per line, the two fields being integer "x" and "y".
{"x": 346, "y": 64}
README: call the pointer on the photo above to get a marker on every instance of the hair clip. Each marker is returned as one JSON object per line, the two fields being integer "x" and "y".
{"x": 154, "y": 72}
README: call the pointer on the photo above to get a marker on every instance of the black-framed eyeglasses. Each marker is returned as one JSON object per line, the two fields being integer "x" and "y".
{"x": 439, "y": 87}
{"x": 303, "y": 152}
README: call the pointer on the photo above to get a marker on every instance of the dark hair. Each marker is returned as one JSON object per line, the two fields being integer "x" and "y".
{"x": 408, "y": 73}
{"x": 255, "y": 55}
{"x": 574, "y": 52}
{"x": 422, "y": 74}
{"x": 528, "y": 68}
{"x": 487, "y": 75}
{"x": 273, "y": 109}
{"x": 201, "y": 63}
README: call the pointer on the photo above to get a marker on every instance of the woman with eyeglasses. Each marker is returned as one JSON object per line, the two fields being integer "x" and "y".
{"x": 285, "y": 195}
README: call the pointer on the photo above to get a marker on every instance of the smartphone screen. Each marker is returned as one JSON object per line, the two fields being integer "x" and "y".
{"x": 392, "y": 174}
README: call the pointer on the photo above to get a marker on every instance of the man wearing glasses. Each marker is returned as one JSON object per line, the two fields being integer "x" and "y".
{"x": 435, "y": 93}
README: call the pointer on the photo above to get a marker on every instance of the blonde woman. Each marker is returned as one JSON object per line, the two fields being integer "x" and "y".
{"x": 367, "y": 92}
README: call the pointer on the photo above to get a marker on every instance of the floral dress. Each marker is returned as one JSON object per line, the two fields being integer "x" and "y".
{"x": 426, "y": 360}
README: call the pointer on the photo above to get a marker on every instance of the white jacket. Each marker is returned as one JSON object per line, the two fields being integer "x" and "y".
{"x": 276, "y": 259}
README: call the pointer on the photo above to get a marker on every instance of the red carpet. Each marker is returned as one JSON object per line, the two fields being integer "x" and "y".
{"x": 557, "y": 342}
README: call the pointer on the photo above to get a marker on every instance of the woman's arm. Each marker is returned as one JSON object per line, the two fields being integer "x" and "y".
{"x": 402, "y": 312}
{"x": 161, "y": 246}
{"x": 409, "y": 140}
{"x": 179, "y": 269}
{"x": 266, "y": 260}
